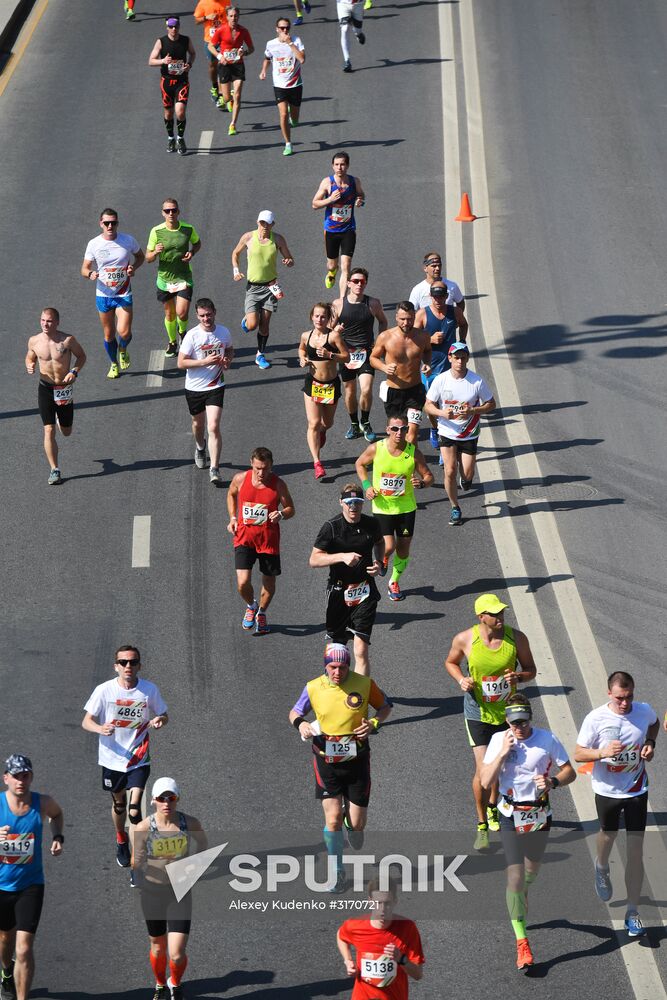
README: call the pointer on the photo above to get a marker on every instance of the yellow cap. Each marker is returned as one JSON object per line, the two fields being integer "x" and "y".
{"x": 488, "y": 604}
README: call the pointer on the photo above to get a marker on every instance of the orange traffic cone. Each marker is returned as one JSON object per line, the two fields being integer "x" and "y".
{"x": 586, "y": 768}
{"x": 465, "y": 211}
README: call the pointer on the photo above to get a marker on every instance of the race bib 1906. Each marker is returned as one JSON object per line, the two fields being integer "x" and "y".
{"x": 356, "y": 593}
{"x": 377, "y": 970}
{"x": 338, "y": 750}
{"x": 17, "y": 849}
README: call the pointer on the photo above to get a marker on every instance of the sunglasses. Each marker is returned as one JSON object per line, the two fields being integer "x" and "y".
{"x": 284, "y": 27}
{"x": 167, "y": 797}
{"x": 127, "y": 663}
{"x": 109, "y": 222}
{"x": 397, "y": 430}
{"x": 170, "y": 211}
{"x": 357, "y": 281}
{"x": 353, "y": 501}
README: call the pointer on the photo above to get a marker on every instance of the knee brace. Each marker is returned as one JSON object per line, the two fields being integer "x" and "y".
{"x": 346, "y": 20}
{"x": 134, "y": 812}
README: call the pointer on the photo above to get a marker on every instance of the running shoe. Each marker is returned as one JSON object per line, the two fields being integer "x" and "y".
{"x": 323, "y": 438}
{"x": 181, "y": 148}
{"x": 244, "y": 325}
{"x": 176, "y": 991}
{"x": 124, "y": 360}
{"x": 200, "y": 458}
{"x": 287, "y": 151}
{"x": 341, "y": 883}
{"x": 320, "y": 471}
{"x": 129, "y": 16}
{"x": 347, "y": 66}
{"x": 354, "y": 431}
{"x": 171, "y": 144}
{"x": 330, "y": 279}
{"x": 114, "y": 371}
{"x": 361, "y": 38}
{"x": 230, "y": 106}
{"x": 306, "y": 6}
{"x": 433, "y": 437}
{"x": 261, "y": 362}
{"x": 634, "y": 925}
{"x": 298, "y": 20}
{"x": 232, "y": 130}
{"x": 161, "y": 993}
{"x": 394, "y": 592}
{"x": 133, "y": 884}
{"x": 55, "y": 478}
{"x": 171, "y": 350}
{"x": 215, "y": 96}
{"x": 369, "y": 433}
{"x": 603, "y": 886}
{"x": 7, "y": 986}
{"x": 482, "y": 838}
{"x": 384, "y": 567}
{"x": 222, "y": 103}
{"x": 292, "y": 121}
{"x": 493, "y": 819}
{"x": 123, "y": 856}
{"x": 261, "y": 627}
{"x": 355, "y": 838}
{"x": 524, "y": 956}
{"x": 214, "y": 477}
{"x": 368, "y": 4}
{"x": 455, "y": 517}
{"x": 465, "y": 484}
{"x": 248, "y": 622}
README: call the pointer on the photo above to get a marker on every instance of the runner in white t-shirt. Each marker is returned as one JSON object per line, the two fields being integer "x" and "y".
{"x": 420, "y": 296}
{"x": 111, "y": 260}
{"x": 457, "y": 398}
{"x": 527, "y": 763}
{"x": 286, "y": 56}
{"x": 205, "y": 354}
{"x": 122, "y": 713}
{"x": 619, "y": 738}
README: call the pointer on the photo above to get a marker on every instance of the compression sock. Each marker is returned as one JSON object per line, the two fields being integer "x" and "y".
{"x": 170, "y": 326}
{"x": 123, "y": 341}
{"x": 345, "y": 41}
{"x": 130, "y": 4}
{"x": 182, "y": 326}
{"x": 529, "y": 878}
{"x": 111, "y": 347}
{"x": 159, "y": 966}
{"x": 169, "y": 125}
{"x": 399, "y": 567}
{"x": 177, "y": 971}
{"x": 354, "y": 416}
{"x": 8, "y": 973}
{"x": 180, "y": 128}
{"x": 261, "y": 343}
{"x": 334, "y": 842}
{"x": 121, "y": 838}
{"x": 365, "y": 416}
{"x": 516, "y": 907}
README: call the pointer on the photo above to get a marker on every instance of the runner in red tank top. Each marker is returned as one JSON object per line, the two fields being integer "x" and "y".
{"x": 257, "y": 501}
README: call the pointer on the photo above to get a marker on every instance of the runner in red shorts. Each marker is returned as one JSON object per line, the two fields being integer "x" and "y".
{"x": 174, "y": 54}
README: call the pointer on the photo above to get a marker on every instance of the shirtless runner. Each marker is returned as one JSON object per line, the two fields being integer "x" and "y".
{"x": 403, "y": 354}
{"x": 52, "y": 350}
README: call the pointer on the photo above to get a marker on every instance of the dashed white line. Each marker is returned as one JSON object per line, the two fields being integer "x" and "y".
{"x": 156, "y": 366}
{"x": 205, "y": 143}
{"x": 141, "y": 541}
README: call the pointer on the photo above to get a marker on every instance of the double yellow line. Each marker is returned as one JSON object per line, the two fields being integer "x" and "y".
{"x": 25, "y": 36}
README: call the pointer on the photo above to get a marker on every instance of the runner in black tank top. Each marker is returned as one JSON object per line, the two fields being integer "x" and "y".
{"x": 174, "y": 55}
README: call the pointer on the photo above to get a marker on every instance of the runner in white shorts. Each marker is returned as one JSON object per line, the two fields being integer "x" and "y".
{"x": 350, "y": 15}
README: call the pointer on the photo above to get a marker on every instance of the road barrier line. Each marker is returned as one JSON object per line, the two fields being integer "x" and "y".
{"x": 156, "y": 365}
{"x": 141, "y": 541}
{"x": 205, "y": 143}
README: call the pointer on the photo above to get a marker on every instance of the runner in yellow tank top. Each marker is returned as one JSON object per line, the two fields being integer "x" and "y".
{"x": 262, "y": 291}
{"x": 499, "y": 658}
{"x": 399, "y": 468}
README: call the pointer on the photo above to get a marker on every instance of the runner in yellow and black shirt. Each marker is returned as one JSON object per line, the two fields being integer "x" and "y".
{"x": 340, "y": 700}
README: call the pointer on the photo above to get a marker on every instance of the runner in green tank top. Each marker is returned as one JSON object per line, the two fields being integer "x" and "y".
{"x": 173, "y": 244}
{"x": 499, "y": 658}
{"x": 399, "y": 468}
{"x": 262, "y": 290}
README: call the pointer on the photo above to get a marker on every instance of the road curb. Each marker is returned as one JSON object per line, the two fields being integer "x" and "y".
{"x": 12, "y": 15}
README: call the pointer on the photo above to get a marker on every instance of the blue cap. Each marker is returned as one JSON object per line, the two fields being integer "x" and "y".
{"x": 458, "y": 345}
{"x": 18, "y": 764}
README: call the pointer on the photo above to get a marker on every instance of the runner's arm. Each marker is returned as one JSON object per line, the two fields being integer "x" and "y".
{"x": 88, "y": 270}
{"x": 198, "y": 835}
{"x": 265, "y": 65}
{"x": 361, "y": 194}
{"x": 79, "y": 353}
{"x": 525, "y": 657}
{"x": 319, "y": 559}
{"x": 302, "y": 708}
{"x": 343, "y": 353}
{"x": 323, "y": 196}
{"x": 648, "y": 748}
{"x": 346, "y": 954}
{"x": 490, "y": 771}
{"x": 238, "y": 249}
{"x": 461, "y": 322}
{"x": 285, "y": 501}
{"x": 232, "y": 499}
{"x": 138, "y": 844}
{"x": 377, "y": 354}
{"x": 281, "y": 243}
{"x": 191, "y": 52}
{"x": 51, "y": 809}
{"x": 31, "y": 359}
{"x": 422, "y": 468}
{"x": 376, "y": 308}
{"x": 564, "y": 776}
{"x": 154, "y": 58}
{"x": 361, "y": 466}
{"x": 457, "y": 652}
{"x": 420, "y": 320}
{"x": 139, "y": 258}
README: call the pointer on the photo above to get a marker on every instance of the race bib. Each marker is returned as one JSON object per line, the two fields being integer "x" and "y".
{"x": 176, "y": 286}
{"x": 276, "y": 291}
{"x": 392, "y": 486}
{"x": 128, "y": 714}
{"x": 210, "y": 352}
{"x": 254, "y": 513}
{"x": 414, "y": 416}
{"x": 341, "y": 213}
{"x": 323, "y": 392}
{"x": 356, "y": 593}
{"x": 63, "y": 394}
{"x": 628, "y": 760}
{"x": 529, "y": 820}
{"x": 285, "y": 64}
{"x": 457, "y": 408}
{"x": 357, "y": 358}
{"x": 112, "y": 277}
{"x": 495, "y": 688}
{"x": 338, "y": 750}
{"x": 176, "y": 68}
{"x": 377, "y": 970}
{"x": 169, "y": 847}
{"x": 231, "y": 55}
{"x": 17, "y": 849}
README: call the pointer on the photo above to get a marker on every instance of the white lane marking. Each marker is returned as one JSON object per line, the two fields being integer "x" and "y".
{"x": 205, "y": 143}
{"x": 642, "y": 968}
{"x": 453, "y": 251}
{"x": 156, "y": 365}
{"x": 141, "y": 541}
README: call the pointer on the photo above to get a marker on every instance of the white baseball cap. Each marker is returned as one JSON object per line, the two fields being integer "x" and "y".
{"x": 163, "y": 785}
{"x": 266, "y": 216}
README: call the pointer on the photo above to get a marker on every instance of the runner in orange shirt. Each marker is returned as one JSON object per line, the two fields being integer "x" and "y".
{"x": 211, "y": 14}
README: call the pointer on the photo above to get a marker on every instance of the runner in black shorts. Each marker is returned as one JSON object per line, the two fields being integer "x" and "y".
{"x": 245, "y": 557}
{"x": 351, "y": 546}
{"x": 174, "y": 54}
{"x": 341, "y": 760}
{"x": 405, "y": 400}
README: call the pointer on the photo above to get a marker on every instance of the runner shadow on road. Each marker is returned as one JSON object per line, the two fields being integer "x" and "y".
{"x": 607, "y": 943}
{"x": 438, "y": 708}
{"x": 205, "y": 989}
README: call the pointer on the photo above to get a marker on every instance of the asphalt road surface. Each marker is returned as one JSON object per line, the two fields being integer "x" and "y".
{"x": 574, "y": 122}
